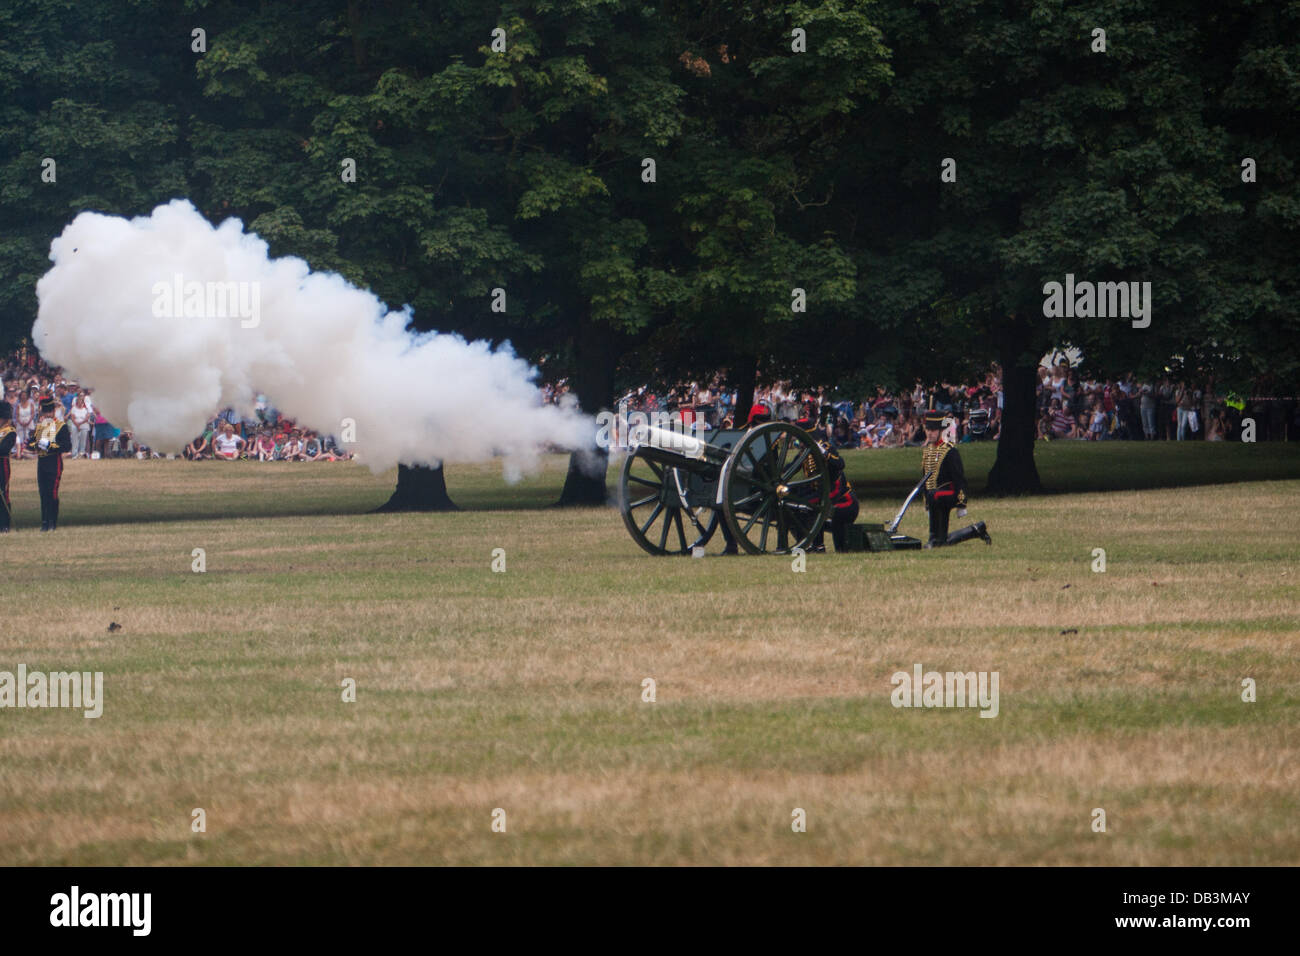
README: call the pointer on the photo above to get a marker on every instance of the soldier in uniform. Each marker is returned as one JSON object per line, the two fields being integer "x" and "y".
{"x": 945, "y": 489}
{"x": 8, "y": 436}
{"x": 844, "y": 503}
{"x": 51, "y": 438}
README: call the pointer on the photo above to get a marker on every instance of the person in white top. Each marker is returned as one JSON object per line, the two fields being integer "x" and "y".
{"x": 1060, "y": 375}
{"x": 24, "y": 422}
{"x": 79, "y": 419}
{"x": 227, "y": 443}
{"x": 293, "y": 449}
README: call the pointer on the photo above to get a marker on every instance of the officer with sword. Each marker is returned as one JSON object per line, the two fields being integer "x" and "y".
{"x": 945, "y": 485}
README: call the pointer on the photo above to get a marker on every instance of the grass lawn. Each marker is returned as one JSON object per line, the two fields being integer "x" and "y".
{"x": 523, "y": 690}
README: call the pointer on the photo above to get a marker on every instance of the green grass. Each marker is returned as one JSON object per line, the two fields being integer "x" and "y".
{"x": 522, "y": 690}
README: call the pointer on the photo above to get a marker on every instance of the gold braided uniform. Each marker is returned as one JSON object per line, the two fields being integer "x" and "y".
{"x": 49, "y": 466}
{"x": 945, "y": 490}
{"x": 47, "y": 429}
{"x": 932, "y": 457}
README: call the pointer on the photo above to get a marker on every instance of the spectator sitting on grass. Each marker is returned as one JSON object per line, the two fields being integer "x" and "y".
{"x": 227, "y": 444}
{"x": 1063, "y": 425}
{"x": 911, "y": 433}
{"x": 892, "y": 435}
{"x": 1044, "y": 425}
{"x": 312, "y": 449}
{"x": 195, "y": 450}
{"x": 842, "y": 435}
{"x": 333, "y": 452}
{"x": 264, "y": 446}
{"x": 1217, "y": 430}
{"x": 293, "y": 447}
{"x": 1097, "y": 427}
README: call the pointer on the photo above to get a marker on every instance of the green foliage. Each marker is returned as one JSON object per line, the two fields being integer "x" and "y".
{"x": 774, "y": 170}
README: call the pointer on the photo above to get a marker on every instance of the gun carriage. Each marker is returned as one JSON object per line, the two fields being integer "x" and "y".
{"x": 769, "y": 484}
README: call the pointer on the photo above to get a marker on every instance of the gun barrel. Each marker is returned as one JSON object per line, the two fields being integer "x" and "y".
{"x": 665, "y": 439}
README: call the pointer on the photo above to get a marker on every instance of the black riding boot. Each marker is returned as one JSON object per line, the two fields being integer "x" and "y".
{"x": 938, "y": 526}
{"x": 976, "y": 530}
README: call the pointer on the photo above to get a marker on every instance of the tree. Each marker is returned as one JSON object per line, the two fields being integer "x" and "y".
{"x": 1110, "y": 166}
{"x": 101, "y": 90}
{"x": 770, "y": 89}
{"x": 419, "y": 489}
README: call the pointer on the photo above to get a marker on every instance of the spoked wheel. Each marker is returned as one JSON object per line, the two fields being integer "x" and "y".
{"x": 775, "y": 489}
{"x": 653, "y": 500}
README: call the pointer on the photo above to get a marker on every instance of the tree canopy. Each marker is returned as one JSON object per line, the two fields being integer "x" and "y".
{"x": 651, "y": 183}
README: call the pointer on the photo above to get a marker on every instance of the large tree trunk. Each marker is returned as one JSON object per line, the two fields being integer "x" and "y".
{"x": 744, "y": 378}
{"x": 595, "y": 358}
{"x": 1014, "y": 471}
{"x": 584, "y": 484}
{"x": 419, "y": 489}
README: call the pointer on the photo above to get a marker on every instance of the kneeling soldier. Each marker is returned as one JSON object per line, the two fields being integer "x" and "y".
{"x": 945, "y": 489}
{"x": 52, "y": 438}
{"x": 844, "y": 503}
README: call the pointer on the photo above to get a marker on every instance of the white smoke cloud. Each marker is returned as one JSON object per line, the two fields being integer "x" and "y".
{"x": 320, "y": 349}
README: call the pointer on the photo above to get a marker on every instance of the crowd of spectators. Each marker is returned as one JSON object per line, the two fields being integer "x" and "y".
{"x": 266, "y": 436}
{"x": 886, "y": 419}
{"x": 1071, "y": 405}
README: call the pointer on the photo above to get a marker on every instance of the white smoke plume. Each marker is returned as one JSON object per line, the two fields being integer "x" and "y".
{"x": 321, "y": 350}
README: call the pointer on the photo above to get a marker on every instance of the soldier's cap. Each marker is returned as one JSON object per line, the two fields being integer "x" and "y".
{"x": 758, "y": 415}
{"x": 806, "y": 423}
{"x": 935, "y": 420}
{"x": 48, "y": 404}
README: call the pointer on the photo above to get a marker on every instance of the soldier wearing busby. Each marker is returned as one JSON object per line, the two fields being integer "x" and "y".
{"x": 844, "y": 503}
{"x": 945, "y": 488}
{"x": 52, "y": 438}
{"x": 8, "y": 436}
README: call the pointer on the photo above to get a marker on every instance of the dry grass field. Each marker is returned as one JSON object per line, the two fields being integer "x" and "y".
{"x": 523, "y": 690}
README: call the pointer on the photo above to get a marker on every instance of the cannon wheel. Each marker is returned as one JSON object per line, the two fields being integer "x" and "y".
{"x": 651, "y": 497}
{"x": 775, "y": 489}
